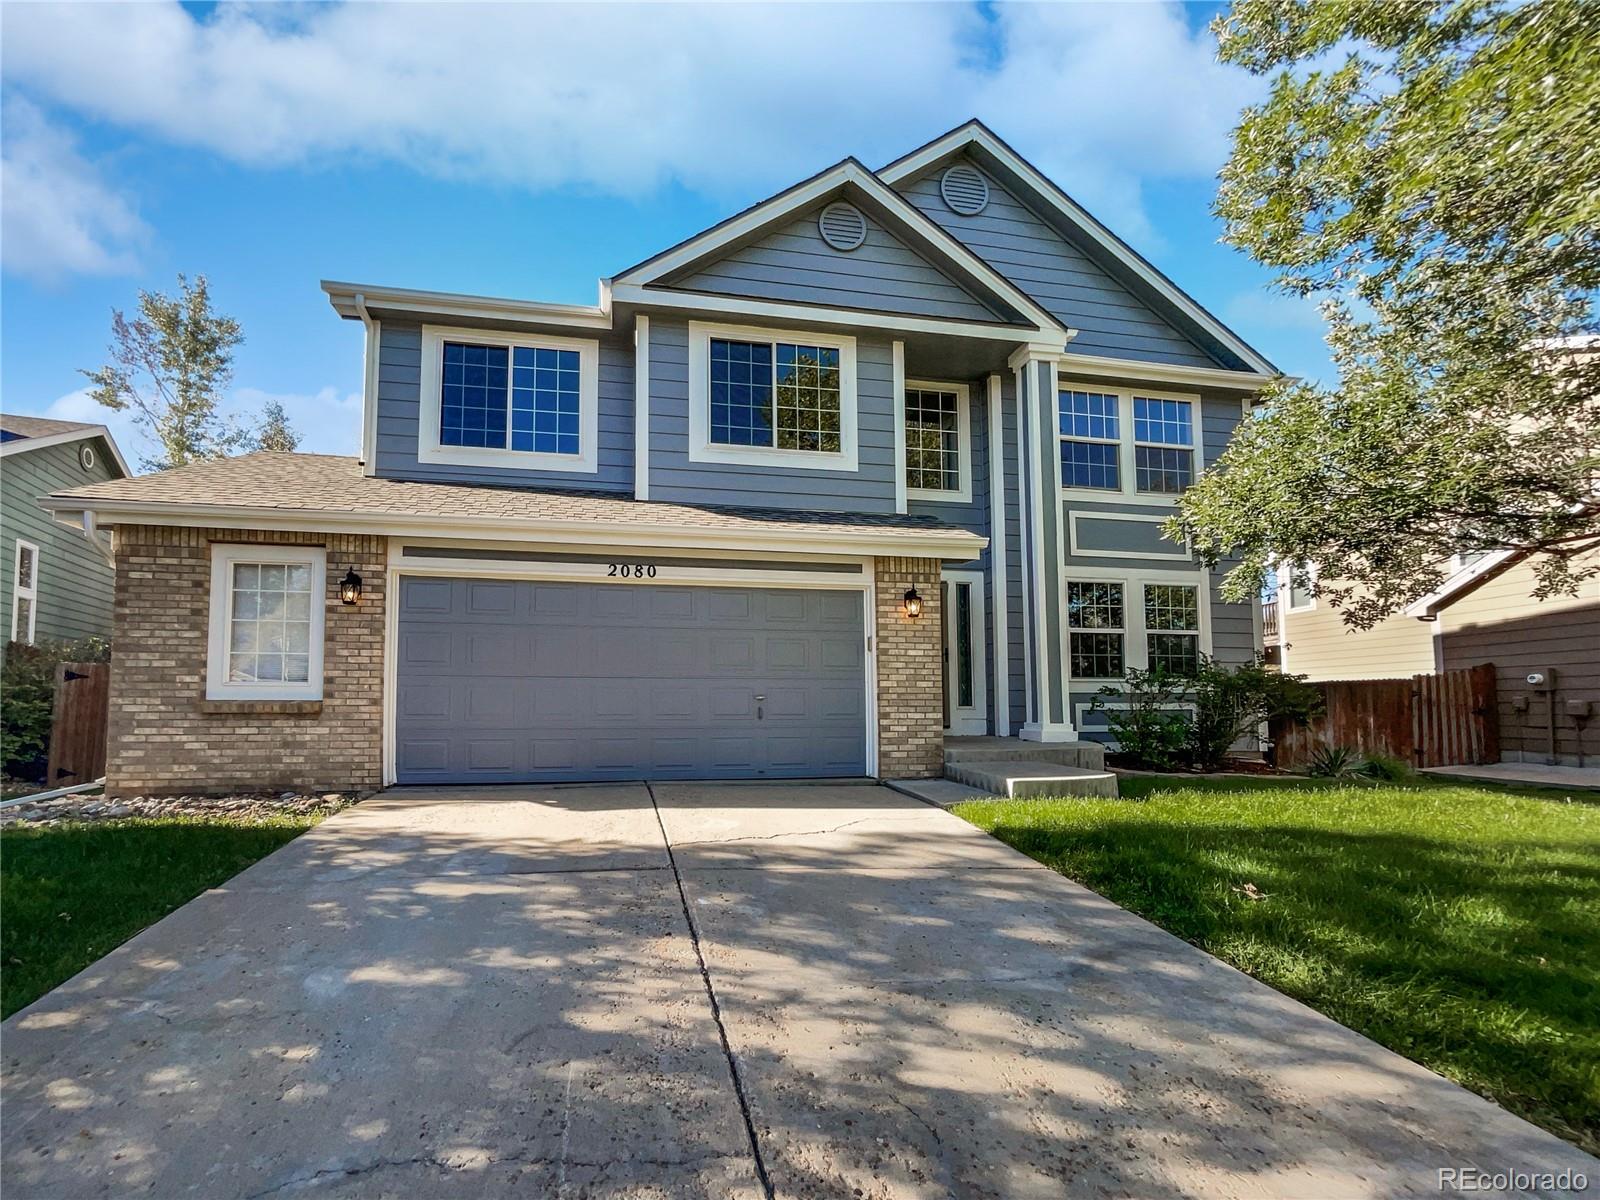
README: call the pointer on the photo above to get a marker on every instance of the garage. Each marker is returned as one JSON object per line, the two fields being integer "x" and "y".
{"x": 512, "y": 681}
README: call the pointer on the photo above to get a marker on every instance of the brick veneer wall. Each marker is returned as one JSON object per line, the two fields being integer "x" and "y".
{"x": 166, "y": 737}
{"x": 910, "y": 673}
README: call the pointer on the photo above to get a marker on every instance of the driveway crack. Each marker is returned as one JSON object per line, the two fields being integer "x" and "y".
{"x": 716, "y": 1008}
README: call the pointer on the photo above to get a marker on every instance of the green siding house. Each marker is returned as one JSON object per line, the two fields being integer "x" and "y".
{"x": 53, "y": 582}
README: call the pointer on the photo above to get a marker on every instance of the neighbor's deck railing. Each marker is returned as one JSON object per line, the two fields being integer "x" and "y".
{"x": 1269, "y": 620}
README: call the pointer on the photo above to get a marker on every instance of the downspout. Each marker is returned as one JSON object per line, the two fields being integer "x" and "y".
{"x": 98, "y": 538}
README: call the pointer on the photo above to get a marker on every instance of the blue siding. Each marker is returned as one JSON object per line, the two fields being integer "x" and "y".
{"x": 1112, "y": 321}
{"x": 399, "y": 382}
{"x": 794, "y": 264}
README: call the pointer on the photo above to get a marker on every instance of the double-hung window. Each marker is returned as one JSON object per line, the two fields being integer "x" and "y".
{"x": 267, "y": 606}
{"x": 1134, "y": 620}
{"x": 1163, "y": 444}
{"x": 1097, "y": 624}
{"x": 1172, "y": 627}
{"x": 497, "y": 399}
{"x": 938, "y": 453}
{"x": 1091, "y": 446}
{"x": 760, "y": 396}
{"x": 24, "y": 592}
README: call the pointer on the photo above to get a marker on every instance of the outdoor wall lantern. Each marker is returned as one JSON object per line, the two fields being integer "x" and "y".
{"x": 350, "y": 587}
{"x": 913, "y": 603}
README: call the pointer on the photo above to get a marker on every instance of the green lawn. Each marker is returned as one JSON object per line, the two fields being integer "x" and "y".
{"x": 1458, "y": 925}
{"x": 73, "y": 892}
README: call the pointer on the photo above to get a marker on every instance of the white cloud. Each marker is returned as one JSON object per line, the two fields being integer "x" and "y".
{"x": 58, "y": 217}
{"x": 620, "y": 98}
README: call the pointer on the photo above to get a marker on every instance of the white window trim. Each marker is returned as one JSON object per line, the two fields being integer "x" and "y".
{"x": 30, "y": 593}
{"x": 702, "y": 449}
{"x": 962, "y": 493}
{"x": 1126, "y": 471}
{"x": 1135, "y": 644}
{"x": 1286, "y": 593}
{"x": 223, "y": 557}
{"x": 1185, "y": 554}
{"x": 429, "y": 450}
{"x": 971, "y": 718}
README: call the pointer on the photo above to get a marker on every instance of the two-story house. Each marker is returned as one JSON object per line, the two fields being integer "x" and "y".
{"x": 883, "y": 457}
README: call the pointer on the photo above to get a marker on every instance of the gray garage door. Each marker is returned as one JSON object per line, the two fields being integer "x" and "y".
{"x": 504, "y": 682}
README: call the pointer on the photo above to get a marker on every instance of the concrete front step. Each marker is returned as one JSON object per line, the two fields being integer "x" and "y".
{"x": 1018, "y": 778}
{"x": 1088, "y": 755}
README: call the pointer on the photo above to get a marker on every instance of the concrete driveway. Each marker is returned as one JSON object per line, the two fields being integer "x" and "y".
{"x": 497, "y": 993}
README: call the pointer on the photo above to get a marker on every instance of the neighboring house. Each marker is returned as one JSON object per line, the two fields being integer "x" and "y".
{"x": 882, "y": 457}
{"x": 53, "y": 583}
{"x": 1484, "y": 612}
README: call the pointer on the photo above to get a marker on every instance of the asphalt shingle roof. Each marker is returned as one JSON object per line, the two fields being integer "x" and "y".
{"x": 289, "y": 483}
{"x": 31, "y": 427}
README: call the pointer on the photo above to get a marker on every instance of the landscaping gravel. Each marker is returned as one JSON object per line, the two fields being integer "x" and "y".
{"x": 244, "y": 807}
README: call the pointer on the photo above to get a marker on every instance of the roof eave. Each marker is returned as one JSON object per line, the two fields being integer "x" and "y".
{"x": 348, "y": 299}
{"x": 24, "y": 444}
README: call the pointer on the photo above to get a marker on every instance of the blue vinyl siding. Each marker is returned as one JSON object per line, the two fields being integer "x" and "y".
{"x": 1111, "y": 320}
{"x": 399, "y": 399}
{"x": 794, "y": 264}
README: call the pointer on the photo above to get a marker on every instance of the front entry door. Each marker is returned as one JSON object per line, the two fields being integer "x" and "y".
{"x": 966, "y": 698}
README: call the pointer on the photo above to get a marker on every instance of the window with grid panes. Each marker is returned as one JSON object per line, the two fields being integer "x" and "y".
{"x": 1097, "y": 625}
{"x": 933, "y": 440}
{"x": 1172, "y": 626}
{"x": 1090, "y": 435}
{"x": 1163, "y": 444}
{"x": 510, "y": 397}
{"x": 779, "y": 394}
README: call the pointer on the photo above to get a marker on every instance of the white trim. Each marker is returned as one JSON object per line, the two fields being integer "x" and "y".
{"x": 711, "y": 305}
{"x": 429, "y": 450}
{"x": 641, "y": 408}
{"x": 997, "y": 559}
{"x": 1127, "y": 471}
{"x": 974, "y": 133}
{"x": 968, "y": 718}
{"x": 963, "y": 491}
{"x": 401, "y": 567}
{"x": 702, "y": 449}
{"x": 223, "y": 557}
{"x": 21, "y": 445}
{"x": 343, "y": 297}
{"x": 372, "y": 353}
{"x": 1286, "y": 594}
{"x": 1078, "y": 552}
{"x": 897, "y": 370}
{"x": 1166, "y": 373}
{"x": 1428, "y": 605}
{"x": 1025, "y": 546}
{"x": 774, "y": 210}
{"x": 953, "y": 545}
{"x": 1039, "y": 726}
{"x": 1135, "y": 643}
{"x": 29, "y": 593}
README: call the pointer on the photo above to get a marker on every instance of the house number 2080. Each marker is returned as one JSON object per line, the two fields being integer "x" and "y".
{"x": 632, "y": 571}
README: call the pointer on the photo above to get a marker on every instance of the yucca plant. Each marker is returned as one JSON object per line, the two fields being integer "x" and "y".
{"x": 1335, "y": 762}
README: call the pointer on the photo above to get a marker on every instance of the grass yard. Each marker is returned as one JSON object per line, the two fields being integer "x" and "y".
{"x": 71, "y": 893}
{"x": 1457, "y": 925}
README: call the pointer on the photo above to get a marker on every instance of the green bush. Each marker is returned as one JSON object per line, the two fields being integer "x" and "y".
{"x": 1233, "y": 702}
{"x": 1152, "y": 730}
{"x": 27, "y": 699}
{"x": 1387, "y": 768}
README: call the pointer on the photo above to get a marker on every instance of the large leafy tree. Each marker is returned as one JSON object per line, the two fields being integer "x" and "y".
{"x": 1431, "y": 171}
{"x": 171, "y": 367}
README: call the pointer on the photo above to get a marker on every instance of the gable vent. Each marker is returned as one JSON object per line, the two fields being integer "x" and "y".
{"x": 842, "y": 226}
{"x": 965, "y": 190}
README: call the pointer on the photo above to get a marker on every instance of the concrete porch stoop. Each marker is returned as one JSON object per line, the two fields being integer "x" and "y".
{"x": 977, "y": 768}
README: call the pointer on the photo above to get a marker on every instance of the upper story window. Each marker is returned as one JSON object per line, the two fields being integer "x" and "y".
{"x": 1099, "y": 457}
{"x": 938, "y": 436}
{"x": 25, "y": 592}
{"x": 1298, "y": 581}
{"x": 768, "y": 397}
{"x": 266, "y": 623}
{"x": 504, "y": 400}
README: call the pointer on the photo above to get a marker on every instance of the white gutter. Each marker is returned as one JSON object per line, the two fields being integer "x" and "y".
{"x": 99, "y": 540}
{"x": 455, "y": 304}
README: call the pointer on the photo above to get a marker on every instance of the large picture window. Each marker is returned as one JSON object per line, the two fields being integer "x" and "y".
{"x": 937, "y": 434}
{"x": 266, "y": 622}
{"x": 494, "y": 399}
{"x": 760, "y": 396}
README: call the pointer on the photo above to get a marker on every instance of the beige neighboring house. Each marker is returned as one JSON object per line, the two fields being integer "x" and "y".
{"x": 1546, "y": 653}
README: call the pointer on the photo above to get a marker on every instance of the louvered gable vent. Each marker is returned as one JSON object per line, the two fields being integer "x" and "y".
{"x": 842, "y": 226}
{"x": 965, "y": 190}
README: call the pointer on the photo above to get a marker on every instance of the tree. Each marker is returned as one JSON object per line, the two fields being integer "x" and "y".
{"x": 171, "y": 367}
{"x": 275, "y": 432}
{"x": 1431, "y": 172}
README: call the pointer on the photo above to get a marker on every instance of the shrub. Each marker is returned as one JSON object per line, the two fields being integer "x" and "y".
{"x": 1387, "y": 768}
{"x": 1232, "y": 703}
{"x": 27, "y": 700}
{"x": 1152, "y": 729}
{"x": 1335, "y": 762}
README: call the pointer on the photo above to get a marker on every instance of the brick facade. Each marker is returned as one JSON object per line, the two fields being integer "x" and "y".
{"x": 910, "y": 671}
{"x": 166, "y": 737}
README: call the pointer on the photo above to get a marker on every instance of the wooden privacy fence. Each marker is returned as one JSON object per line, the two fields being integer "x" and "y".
{"x": 1428, "y": 720}
{"x": 78, "y": 724}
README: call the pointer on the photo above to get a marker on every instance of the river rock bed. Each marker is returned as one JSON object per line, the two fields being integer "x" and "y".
{"x": 243, "y": 807}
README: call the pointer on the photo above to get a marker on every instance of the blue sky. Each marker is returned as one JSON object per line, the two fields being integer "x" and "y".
{"x": 529, "y": 150}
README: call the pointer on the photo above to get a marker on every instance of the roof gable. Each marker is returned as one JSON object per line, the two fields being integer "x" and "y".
{"x": 752, "y": 250}
{"x": 27, "y": 434}
{"x": 1026, "y": 184}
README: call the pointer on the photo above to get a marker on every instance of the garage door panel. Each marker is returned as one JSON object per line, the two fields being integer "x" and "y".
{"x": 521, "y": 680}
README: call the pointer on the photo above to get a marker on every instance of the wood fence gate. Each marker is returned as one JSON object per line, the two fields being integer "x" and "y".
{"x": 1442, "y": 720}
{"x": 78, "y": 724}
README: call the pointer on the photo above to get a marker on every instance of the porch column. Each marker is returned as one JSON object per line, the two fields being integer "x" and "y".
{"x": 1043, "y": 557}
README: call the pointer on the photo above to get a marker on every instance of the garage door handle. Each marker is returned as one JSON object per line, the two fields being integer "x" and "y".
{"x": 760, "y": 700}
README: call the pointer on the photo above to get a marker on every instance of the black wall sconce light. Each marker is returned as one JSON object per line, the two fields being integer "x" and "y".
{"x": 913, "y": 603}
{"x": 350, "y": 587}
